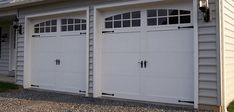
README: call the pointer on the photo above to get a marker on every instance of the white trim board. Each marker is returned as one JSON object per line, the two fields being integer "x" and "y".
{"x": 27, "y": 41}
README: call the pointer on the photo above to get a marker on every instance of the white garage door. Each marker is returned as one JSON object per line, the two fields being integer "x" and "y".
{"x": 147, "y": 55}
{"x": 59, "y": 54}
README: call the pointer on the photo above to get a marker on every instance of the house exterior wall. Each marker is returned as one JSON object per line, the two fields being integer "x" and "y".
{"x": 209, "y": 90}
{"x": 4, "y": 58}
{"x": 228, "y": 49}
{"x": 208, "y": 58}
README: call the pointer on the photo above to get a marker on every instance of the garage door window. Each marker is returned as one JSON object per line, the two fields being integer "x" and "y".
{"x": 46, "y": 27}
{"x": 157, "y": 17}
{"x": 129, "y": 19}
{"x": 73, "y": 25}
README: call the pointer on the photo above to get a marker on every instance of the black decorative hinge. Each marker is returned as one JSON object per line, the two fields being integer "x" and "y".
{"x": 82, "y": 33}
{"x": 183, "y": 27}
{"x": 35, "y": 35}
{"x": 82, "y": 91}
{"x": 107, "y": 94}
{"x": 35, "y": 86}
{"x": 108, "y": 31}
{"x": 181, "y": 101}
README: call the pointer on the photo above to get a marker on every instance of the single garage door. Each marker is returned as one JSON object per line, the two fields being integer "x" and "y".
{"x": 147, "y": 54}
{"x": 59, "y": 54}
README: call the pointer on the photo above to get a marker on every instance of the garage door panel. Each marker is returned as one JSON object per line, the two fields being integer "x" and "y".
{"x": 72, "y": 62}
{"x": 120, "y": 84}
{"x": 43, "y": 61}
{"x": 59, "y": 54}
{"x": 40, "y": 79}
{"x": 167, "y": 87}
{"x": 169, "y": 41}
{"x": 179, "y": 64}
{"x": 73, "y": 43}
{"x": 70, "y": 81}
{"x": 126, "y": 63}
{"x": 120, "y": 42}
{"x": 154, "y": 61}
{"x": 46, "y": 47}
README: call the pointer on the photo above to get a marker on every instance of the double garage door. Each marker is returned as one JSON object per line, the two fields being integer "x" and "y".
{"x": 59, "y": 54}
{"x": 148, "y": 55}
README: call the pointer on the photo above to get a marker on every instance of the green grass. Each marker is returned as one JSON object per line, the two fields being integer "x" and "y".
{"x": 231, "y": 107}
{"x": 7, "y": 87}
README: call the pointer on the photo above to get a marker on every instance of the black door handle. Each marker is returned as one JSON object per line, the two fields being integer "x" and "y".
{"x": 142, "y": 64}
{"x": 145, "y": 63}
{"x": 57, "y": 61}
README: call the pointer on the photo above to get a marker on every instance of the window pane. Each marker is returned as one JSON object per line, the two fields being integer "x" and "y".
{"x": 117, "y": 24}
{"x": 47, "y": 23}
{"x": 185, "y": 19}
{"x": 117, "y": 17}
{"x": 109, "y": 18}
{"x": 64, "y": 21}
{"x": 42, "y": 30}
{"x": 77, "y": 27}
{"x": 70, "y": 28}
{"x": 162, "y": 21}
{"x": 36, "y": 30}
{"x": 173, "y": 12}
{"x": 83, "y": 21}
{"x": 54, "y": 29}
{"x": 152, "y": 13}
{"x": 136, "y": 14}
{"x": 184, "y": 12}
{"x": 77, "y": 20}
{"x": 54, "y": 22}
{"x": 152, "y": 22}
{"x": 42, "y": 24}
{"x": 162, "y": 12}
{"x": 47, "y": 29}
{"x": 83, "y": 26}
{"x": 108, "y": 25}
{"x": 64, "y": 28}
{"x": 136, "y": 23}
{"x": 70, "y": 21}
{"x": 174, "y": 20}
{"x": 126, "y": 16}
{"x": 126, "y": 23}
{"x": 37, "y": 25}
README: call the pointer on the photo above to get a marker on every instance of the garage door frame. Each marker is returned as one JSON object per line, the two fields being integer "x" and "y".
{"x": 28, "y": 47}
{"x": 97, "y": 44}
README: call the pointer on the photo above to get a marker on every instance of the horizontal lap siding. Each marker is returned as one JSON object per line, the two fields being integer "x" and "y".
{"x": 228, "y": 42}
{"x": 207, "y": 46}
{"x": 20, "y": 55}
{"x": 4, "y": 59}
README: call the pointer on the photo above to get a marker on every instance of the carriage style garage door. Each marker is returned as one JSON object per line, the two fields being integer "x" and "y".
{"x": 59, "y": 54}
{"x": 147, "y": 54}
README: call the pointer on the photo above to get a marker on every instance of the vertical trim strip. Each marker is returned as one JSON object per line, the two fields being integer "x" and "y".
{"x": 196, "y": 76}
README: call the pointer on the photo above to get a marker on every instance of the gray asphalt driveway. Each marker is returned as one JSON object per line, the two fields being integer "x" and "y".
{"x": 45, "y": 101}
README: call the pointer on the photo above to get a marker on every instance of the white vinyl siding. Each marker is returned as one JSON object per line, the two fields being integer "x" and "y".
{"x": 208, "y": 69}
{"x": 228, "y": 50}
{"x": 20, "y": 55}
{"x": 4, "y": 59}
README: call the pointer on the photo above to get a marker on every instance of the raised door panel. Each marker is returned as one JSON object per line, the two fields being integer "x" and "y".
{"x": 120, "y": 67}
{"x": 169, "y": 56}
